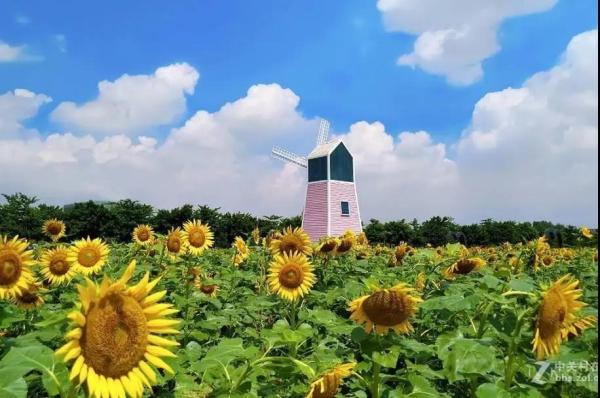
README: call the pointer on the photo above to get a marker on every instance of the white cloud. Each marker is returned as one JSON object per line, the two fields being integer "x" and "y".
{"x": 16, "y": 107}
{"x": 407, "y": 176}
{"x": 132, "y": 104}
{"x": 530, "y": 152}
{"x": 533, "y": 151}
{"x": 219, "y": 158}
{"x": 10, "y": 53}
{"x": 453, "y": 37}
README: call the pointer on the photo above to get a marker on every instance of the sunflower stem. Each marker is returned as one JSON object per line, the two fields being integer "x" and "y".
{"x": 483, "y": 319}
{"x": 162, "y": 256}
{"x": 293, "y": 315}
{"x": 375, "y": 380}
{"x": 509, "y": 372}
{"x": 188, "y": 292}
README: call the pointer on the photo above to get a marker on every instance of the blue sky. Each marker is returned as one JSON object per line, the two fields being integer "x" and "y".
{"x": 336, "y": 55}
{"x": 450, "y": 108}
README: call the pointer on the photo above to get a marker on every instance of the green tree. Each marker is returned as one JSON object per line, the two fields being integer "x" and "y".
{"x": 126, "y": 214}
{"x": 437, "y": 229}
{"x": 89, "y": 219}
{"x": 19, "y": 216}
{"x": 163, "y": 220}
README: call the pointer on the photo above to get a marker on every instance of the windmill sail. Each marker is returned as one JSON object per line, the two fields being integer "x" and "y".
{"x": 323, "y": 132}
{"x": 288, "y": 156}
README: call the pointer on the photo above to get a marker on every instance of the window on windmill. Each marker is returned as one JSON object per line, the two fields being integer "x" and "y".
{"x": 317, "y": 169}
{"x": 345, "y": 209}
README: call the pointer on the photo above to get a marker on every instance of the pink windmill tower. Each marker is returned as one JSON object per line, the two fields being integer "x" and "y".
{"x": 331, "y": 204}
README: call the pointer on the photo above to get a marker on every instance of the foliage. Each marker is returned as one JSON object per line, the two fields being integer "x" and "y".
{"x": 23, "y": 215}
{"x": 472, "y": 334}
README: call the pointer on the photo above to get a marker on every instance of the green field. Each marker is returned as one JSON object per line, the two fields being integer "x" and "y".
{"x": 472, "y": 336}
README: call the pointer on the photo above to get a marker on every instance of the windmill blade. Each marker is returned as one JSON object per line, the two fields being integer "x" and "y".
{"x": 288, "y": 156}
{"x": 323, "y": 132}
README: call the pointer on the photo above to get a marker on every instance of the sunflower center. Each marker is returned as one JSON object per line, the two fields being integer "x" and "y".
{"x": 10, "y": 268}
{"x": 54, "y": 228}
{"x": 552, "y": 314}
{"x": 59, "y": 266}
{"x": 197, "y": 238}
{"x": 291, "y": 276}
{"x": 328, "y": 246}
{"x": 345, "y": 245}
{"x": 174, "y": 244}
{"x": 28, "y": 298}
{"x": 115, "y": 335}
{"x": 143, "y": 235}
{"x": 465, "y": 266}
{"x": 547, "y": 261}
{"x": 290, "y": 244}
{"x": 388, "y": 308}
{"x": 88, "y": 256}
{"x": 208, "y": 289}
{"x": 330, "y": 384}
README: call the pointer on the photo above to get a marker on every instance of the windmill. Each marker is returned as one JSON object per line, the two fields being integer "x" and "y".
{"x": 331, "y": 204}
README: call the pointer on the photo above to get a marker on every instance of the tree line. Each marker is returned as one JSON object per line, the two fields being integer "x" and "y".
{"x": 23, "y": 215}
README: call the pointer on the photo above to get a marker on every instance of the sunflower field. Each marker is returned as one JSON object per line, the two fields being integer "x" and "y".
{"x": 278, "y": 316}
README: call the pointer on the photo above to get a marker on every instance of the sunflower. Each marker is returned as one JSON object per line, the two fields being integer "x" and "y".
{"x": 557, "y": 316}
{"x": 346, "y": 243}
{"x": 291, "y": 275}
{"x": 420, "y": 282}
{"x": 580, "y": 325}
{"x": 379, "y": 249}
{"x": 30, "y": 298}
{"x": 386, "y": 309}
{"x": 88, "y": 256}
{"x": 587, "y": 233}
{"x": 361, "y": 239}
{"x": 198, "y": 237}
{"x": 327, "y": 385}
{"x": 291, "y": 241}
{"x": 54, "y": 229}
{"x": 547, "y": 260}
{"x": 401, "y": 251}
{"x": 567, "y": 254}
{"x": 115, "y": 336}
{"x": 175, "y": 243}
{"x": 362, "y": 252}
{"x": 15, "y": 266}
{"x": 256, "y": 236}
{"x": 210, "y": 289}
{"x": 542, "y": 246}
{"x": 241, "y": 251}
{"x": 143, "y": 235}
{"x": 327, "y": 246}
{"x": 56, "y": 269}
{"x": 464, "y": 266}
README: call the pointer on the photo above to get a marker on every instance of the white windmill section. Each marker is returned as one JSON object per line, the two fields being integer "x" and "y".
{"x": 286, "y": 155}
{"x": 323, "y": 132}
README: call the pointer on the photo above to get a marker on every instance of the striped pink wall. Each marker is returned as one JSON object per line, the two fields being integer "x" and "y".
{"x": 343, "y": 192}
{"x": 314, "y": 220}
